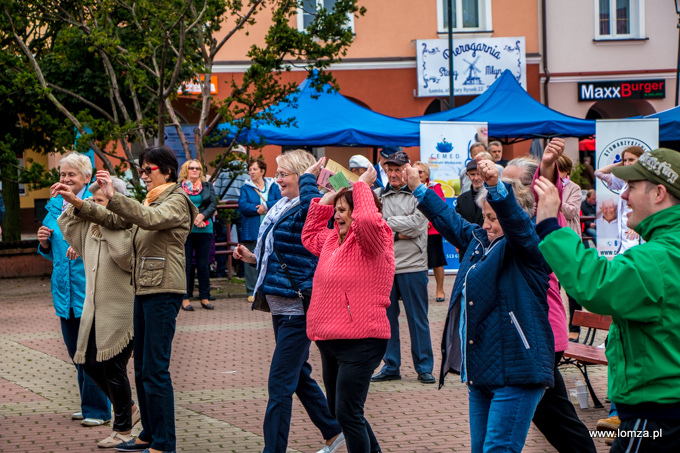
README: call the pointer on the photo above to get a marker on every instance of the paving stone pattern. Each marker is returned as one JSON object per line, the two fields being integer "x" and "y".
{"x": 220, "y": 363}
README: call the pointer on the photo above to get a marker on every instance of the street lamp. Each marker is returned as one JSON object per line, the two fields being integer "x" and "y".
{"x": 677, "y": 66}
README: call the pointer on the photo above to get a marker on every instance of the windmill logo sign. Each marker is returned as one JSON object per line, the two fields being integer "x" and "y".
{"x": 477, "y": 63}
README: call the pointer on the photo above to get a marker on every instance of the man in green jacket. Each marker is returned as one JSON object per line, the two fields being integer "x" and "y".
{"x": 640, "y": 290}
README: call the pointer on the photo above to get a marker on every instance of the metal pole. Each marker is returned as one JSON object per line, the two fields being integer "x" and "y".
{"x": 450, "y": 17}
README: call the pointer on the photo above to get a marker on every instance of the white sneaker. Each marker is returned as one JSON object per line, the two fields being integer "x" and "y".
{"x": 602, "y": 346}
{"x": 77, "y": 416}
{"x": 115, "y": 439}
{"x": 94, "y": 422}
{"x": 339, "y": 442}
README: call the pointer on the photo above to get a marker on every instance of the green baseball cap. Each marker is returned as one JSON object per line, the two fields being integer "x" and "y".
{"x": 661, "y": 166}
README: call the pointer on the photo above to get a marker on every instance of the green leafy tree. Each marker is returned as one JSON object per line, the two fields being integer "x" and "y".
{"x": 114, "y": 67}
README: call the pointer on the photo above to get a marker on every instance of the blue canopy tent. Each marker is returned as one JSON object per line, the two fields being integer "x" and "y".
{"x": 512, "y": 113}
{"x": 326, "y": 118}
{"x": 669, "y": 124}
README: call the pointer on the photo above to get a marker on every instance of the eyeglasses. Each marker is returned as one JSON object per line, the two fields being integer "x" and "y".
{"x": 281, "y": 175}
{"x": 147, "y": 170}
{"x": 194, "y": 168}
{"x": 420, "y": 172}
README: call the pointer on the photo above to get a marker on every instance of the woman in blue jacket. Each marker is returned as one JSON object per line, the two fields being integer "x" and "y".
{"x": 258, "y": 194}
{"x": 497, "y": 335}
{"x": 285, "y": 288}
{"x": 68, "y": 283}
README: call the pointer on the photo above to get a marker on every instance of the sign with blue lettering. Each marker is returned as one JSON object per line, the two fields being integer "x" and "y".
{"x": 477, "y": 63}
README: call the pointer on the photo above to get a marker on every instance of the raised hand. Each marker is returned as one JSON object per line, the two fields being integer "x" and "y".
{"x": 553, "y": 150}
{"x": 369, "y": 176}
{"x": 489, "y": 171}
{"x": 411, "y": 177}
{"x": 105, "y": 183}
{"x": 548, "y": 199}
{"x": 44, "y": 234}
{"x": 328, "y": 198}
{"x": 316, "y": 168}
{"x": 63, "y": 190}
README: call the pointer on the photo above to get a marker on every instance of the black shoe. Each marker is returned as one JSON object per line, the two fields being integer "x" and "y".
{"x": 426, "y": 378}
{"x": 187, "y": 307}
{"x": 208, "y": 306}
{"x": 382, "y": 377}
{"x": 130, "y": 445}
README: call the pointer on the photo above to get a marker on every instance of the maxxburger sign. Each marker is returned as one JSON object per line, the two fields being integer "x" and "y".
{"x": 640, "y": 89}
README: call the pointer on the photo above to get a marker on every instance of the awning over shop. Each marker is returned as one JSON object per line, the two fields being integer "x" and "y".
{"x": 512, "y": 113}
{"x": 326, "y": 118}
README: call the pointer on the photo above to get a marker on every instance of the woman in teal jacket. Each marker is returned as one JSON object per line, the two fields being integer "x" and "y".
{"x": 68, "y": 284}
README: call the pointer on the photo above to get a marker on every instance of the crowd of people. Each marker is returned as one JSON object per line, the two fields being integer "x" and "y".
{"x": 121, "y": 266}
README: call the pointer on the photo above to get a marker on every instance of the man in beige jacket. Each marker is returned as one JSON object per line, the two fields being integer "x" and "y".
{"x": 410, "y": 281}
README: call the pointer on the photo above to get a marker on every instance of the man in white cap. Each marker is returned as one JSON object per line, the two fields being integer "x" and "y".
{"x": 358, "y": 164}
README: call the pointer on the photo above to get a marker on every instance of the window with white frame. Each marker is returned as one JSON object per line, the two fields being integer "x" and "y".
{"x": 308, "y": 10}
{"x": 619, "y": 19}
{"x": 468, "y": 15}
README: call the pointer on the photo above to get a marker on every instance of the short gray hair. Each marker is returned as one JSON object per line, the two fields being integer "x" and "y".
{"x": 118, "y": 186}
{"x": 79, "y": 162}
{"x": 528, "y": 165}
{"x": 523, "y": 195}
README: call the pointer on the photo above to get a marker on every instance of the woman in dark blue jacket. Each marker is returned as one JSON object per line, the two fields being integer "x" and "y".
{"x": 258, "y": 195}
{"x": 497, "y": 335}
{"x": 280, "y": 242}
{"x": 202, "y": 195}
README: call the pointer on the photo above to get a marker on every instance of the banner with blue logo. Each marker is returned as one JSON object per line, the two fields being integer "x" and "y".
{"x": 613, "y": 138}
{"x": 477, "y": 63}
{"x": 445, "y": 147}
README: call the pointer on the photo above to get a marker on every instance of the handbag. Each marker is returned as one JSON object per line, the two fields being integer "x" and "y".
{"x": 260, "y": 302}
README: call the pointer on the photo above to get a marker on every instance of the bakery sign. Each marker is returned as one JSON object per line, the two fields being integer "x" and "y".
{"x": 639, "y": 89}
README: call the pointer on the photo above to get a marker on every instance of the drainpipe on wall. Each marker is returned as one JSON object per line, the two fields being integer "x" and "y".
{"x": 545, "y": 55}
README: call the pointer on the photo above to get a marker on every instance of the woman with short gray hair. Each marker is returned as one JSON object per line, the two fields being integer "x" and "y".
{"x": 68, "y": 282}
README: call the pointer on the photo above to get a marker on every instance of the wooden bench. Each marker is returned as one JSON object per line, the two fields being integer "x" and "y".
{"x": 583, "y": 354}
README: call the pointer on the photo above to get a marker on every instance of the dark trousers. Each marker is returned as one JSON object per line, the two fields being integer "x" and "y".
{"x": 662, "y": 436}
{"x": 220, "y": 231}
{"x": 291, "y": 373}
{"x": 249, "y": 271}
{"x": 556, "y": 418}
{"x": 154, "y": 320}
{"x": 347, "y": 369}
{"x": 93, "y": 402}
{"x": 573, "y": 306}
{"x": 199, "y": 243}
{"x": 111, "y": 377}
{"x": 411, "y": 287}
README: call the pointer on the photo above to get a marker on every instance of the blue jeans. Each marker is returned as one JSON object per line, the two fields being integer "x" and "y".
{"x": 93, "y": 402}
{"x": 199, "y": 243}
{"x": 500, "y": 416}
{"x": 291, "y": 373}
{"x": 411, "y": 287}
{"x": 152, "y": 349}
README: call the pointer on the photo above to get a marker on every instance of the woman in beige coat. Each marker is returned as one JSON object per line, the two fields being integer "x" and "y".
{"x": 105, "y": 335}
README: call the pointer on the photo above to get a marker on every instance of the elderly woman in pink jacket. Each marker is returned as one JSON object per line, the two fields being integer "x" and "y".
{"x": 347, "y": 319}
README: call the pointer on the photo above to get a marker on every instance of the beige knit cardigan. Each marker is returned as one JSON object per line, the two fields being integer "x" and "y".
{"x": 107, "y": 256}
